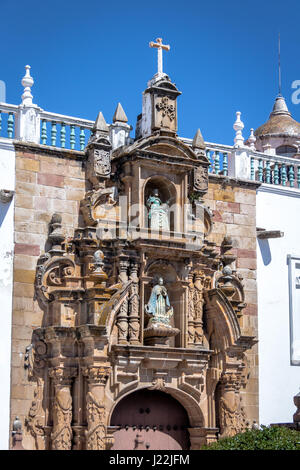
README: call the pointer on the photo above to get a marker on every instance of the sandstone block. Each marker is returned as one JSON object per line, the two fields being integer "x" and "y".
{"x": 249, "y": 263}
{"x": 21, "y": 200}
{"x": 248, "y": 209}
{"x": 27, "y": 249}
{"x": 25, "y": 176}
{"x": 27, "y": 164}
{"x": 224, "y": 195}
{"x": 228, "y": 206}
{"x": 48, "y": 179}
{"x": 25, "y": 262}
{"x": 24, "y": 275}
{"x": 241, "y": 230}
{"x": 245, "y": 196}
{"x": 242, "y": 219}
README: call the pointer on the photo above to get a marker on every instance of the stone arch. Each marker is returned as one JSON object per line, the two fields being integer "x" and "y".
{"x": 150, "y": 419}
{"x": 224, "y": 339}
{"x": 171, "y": 276}
{"x": 221, "y": 318}
{"x": 191, "y": 406}
{"x": 167, "y": 193}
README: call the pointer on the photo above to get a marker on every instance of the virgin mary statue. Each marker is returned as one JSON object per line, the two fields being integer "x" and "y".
{"x": 158, "y": 212}
{"x": 159, "y": 307}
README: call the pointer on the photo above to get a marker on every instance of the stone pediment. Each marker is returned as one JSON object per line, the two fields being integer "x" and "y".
{"x": 160, "y": 145}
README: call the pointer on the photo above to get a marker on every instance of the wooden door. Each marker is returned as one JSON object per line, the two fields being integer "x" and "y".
{"x": 150, "y": 420}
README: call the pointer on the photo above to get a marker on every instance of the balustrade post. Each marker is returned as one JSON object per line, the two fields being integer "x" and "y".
{"x": 252, "y": 172}
{"x": 268, "y": 172}
{"x": 63, "y": 135}
{"x": 217, "y": 162}
{"x": 283, "y": 174}
{"x": 291, "y": 176}
{"x": 44, "y": 132}
{"x": 239, "y": 163}
{"x": 10, "y": 125}
{"x": 53, "y": 133}
{"x": 82, "y": 139}
{"x": 260, "y": 170}
{"x": 208, "y": 158}
{"x": 276, "y": 173}
{"x": 72, "y": 137}
{"x": 28, "y": 115}
{"x": 225, "y": 164}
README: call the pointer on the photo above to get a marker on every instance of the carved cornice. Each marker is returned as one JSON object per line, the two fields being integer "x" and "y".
{"x": 62, "y": 375}
{"x": 96, "y": 374}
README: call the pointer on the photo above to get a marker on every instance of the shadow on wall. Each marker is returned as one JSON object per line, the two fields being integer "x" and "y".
{"x": 265, "y": 251}
{"x": 3, "y": 211}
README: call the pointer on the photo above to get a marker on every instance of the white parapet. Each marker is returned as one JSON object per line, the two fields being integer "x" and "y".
{"x": 7, "y": 185}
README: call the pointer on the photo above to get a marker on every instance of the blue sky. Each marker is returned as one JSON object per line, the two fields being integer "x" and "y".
{"x": 88, "y": 55}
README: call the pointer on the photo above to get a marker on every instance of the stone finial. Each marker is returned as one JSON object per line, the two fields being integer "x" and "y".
{"x": 238, "y": 126}
{"x": 252, "y": 139}
{"x": 100, "y": 124}
{"x": 120, "y": 115}
{"x": 27, "y": 82}
{"x": 198, "y": 142}
{"x": 56, "y": 236}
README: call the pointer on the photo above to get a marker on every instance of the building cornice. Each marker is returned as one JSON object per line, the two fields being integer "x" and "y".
{"x": 57, "y": 151}
{"x": 280, "y": 190}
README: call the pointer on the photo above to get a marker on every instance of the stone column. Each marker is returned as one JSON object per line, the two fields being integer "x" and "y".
{"x": 232, "y": 416}
{"x": 79, "y": 437}
{"x": 61, "y": 436}
{"x": 96, "y": 413}
{"x": 191, "y": 312}
{"x": 134, "y": 302}
{"x": 198, "y": 307}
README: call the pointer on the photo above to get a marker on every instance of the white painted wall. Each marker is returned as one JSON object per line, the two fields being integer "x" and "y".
{"x": 279, "y": 381}
{"x": 7, "y": 181}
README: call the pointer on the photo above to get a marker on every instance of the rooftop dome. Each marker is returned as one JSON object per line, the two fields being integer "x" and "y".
{"x": 280, "y": 122}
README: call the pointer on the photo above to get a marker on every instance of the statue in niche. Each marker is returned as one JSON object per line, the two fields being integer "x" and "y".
{"x": 158, "y": 307}
{"x": 158, "y": 212}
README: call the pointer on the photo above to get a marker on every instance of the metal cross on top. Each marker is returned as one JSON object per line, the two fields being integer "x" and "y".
{"x": 160, "y": 46}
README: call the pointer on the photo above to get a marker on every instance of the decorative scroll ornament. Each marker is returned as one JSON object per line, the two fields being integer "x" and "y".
{"x": 51, "y": 273}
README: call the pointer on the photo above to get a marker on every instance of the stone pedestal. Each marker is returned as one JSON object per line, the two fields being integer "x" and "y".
{"x": 158, "y": 334}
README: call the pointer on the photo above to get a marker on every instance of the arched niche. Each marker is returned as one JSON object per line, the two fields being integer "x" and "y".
{"x": 167, "y": 194}
{"x": 286, "y": 150}
{"x": 160, "y": 421}
{"x": 166, "y": 270}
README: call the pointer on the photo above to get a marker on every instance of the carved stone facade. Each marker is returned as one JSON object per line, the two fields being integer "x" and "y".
{"x": 87, "y": 300}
